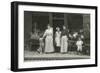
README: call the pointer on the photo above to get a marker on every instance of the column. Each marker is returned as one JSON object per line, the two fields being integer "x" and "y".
{"x": 86, "y": 25}
{"x": 66, "y": 20}
{"x": 50, "y": 19}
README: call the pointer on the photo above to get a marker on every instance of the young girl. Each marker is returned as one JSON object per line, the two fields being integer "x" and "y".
{"x": 41, "y": 46}
{"x": 79, "y": 45}
{"x": 57, "y": 39}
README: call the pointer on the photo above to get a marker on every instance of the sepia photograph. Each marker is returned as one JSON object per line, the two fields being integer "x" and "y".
{"x": 56, "y": 36}
{"x": 52, "y": 36}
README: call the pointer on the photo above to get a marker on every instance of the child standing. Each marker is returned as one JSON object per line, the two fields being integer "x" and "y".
{"x": 41, "y": 44}
{"x": 79, "y": 45}
{"x": 58, "y": 39}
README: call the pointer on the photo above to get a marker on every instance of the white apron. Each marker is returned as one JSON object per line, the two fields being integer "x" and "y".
{"x": 64, "y": 44}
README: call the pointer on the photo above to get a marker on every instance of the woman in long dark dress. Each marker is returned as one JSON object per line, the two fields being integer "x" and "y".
{"x": 64, "y": 40}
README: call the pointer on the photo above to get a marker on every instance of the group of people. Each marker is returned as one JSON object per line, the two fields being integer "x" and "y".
{"x": 60, "y": 38}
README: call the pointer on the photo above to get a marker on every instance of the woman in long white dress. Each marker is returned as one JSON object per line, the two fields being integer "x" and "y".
{"x": 64, "y": 40}
{"x": 48, "y": 35}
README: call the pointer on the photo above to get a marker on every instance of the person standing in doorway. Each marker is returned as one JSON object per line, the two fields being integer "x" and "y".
{"x": 64, "y": 40}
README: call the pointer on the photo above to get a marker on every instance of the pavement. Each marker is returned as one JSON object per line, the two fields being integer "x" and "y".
{"x": 34, "y": 56}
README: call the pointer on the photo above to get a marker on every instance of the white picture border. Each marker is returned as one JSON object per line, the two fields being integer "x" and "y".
{"x": 34, "y": 64}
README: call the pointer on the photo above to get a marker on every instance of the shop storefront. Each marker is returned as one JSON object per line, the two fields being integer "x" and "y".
{"x": 37, "y": 22}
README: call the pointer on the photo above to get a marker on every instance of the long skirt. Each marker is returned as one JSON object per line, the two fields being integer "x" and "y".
{"x": 57, "y": 40}
{"x": 49, "y": 44}
{"x": 64, "y": 44}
